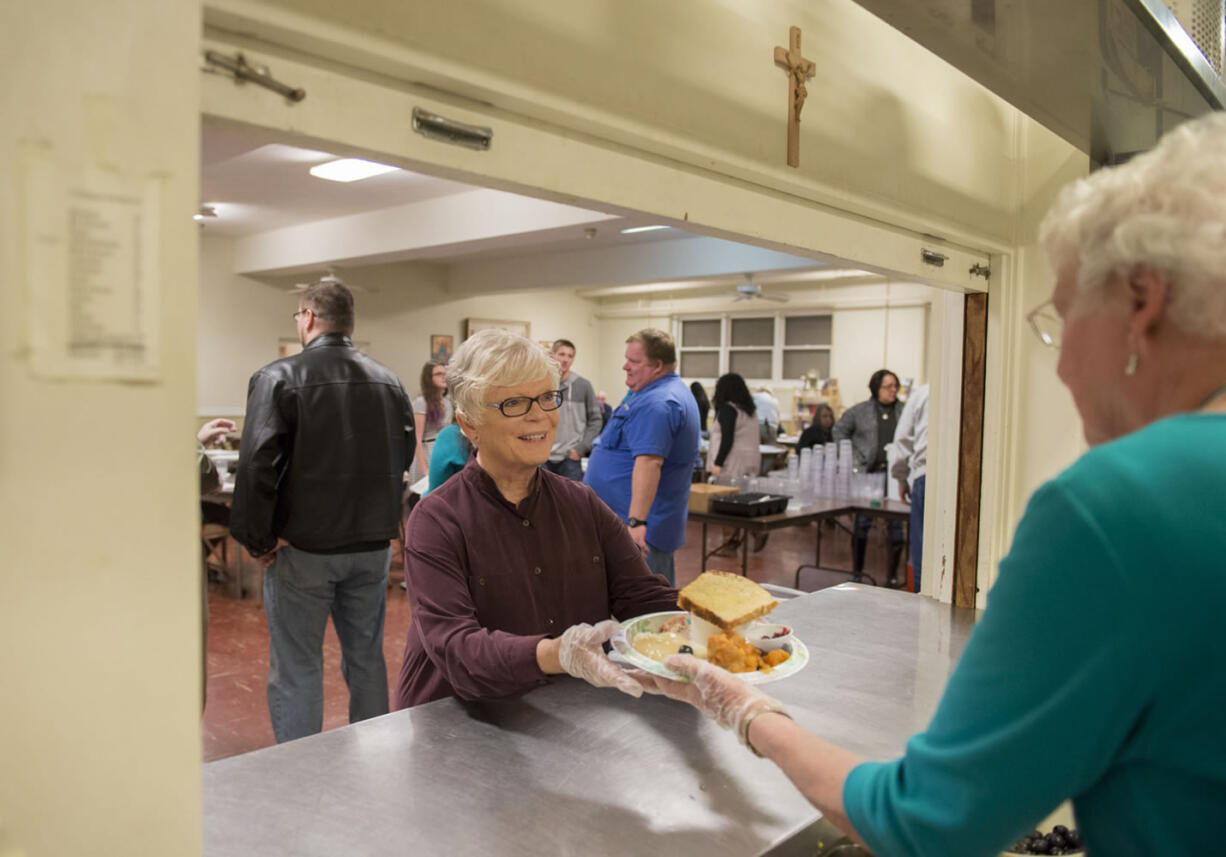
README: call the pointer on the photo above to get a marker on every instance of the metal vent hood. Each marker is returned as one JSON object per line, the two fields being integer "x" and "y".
{"x": 1110, "y": 76}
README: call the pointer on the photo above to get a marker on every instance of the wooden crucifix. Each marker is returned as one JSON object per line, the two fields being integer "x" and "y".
{"x": 799, "y": 70}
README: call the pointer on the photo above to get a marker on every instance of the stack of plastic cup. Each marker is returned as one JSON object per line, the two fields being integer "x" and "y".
{"x": 805, "y": 475}
{"x": 843, "y": 480}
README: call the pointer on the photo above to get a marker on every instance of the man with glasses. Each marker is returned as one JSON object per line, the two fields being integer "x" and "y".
{"x": 870, "y": 426}
{"x": 643, "y": 462}
{"x": 327, "y": 437}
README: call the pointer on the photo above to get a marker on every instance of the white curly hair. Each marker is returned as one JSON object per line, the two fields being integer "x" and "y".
{"x": 1166, "y": 209}
{"x": 494, "y": 358}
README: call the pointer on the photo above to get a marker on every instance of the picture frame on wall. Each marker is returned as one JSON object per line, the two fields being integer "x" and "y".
{"x": 472, "y": 325}
{"x": 442, "y": 346}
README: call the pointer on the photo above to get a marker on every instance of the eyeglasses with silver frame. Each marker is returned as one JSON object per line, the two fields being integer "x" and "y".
{"x": 1046, "y": 324}
{"x": 517, "y": 406}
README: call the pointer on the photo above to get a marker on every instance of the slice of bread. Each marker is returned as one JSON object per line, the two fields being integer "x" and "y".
{"x": 725, "y": 599}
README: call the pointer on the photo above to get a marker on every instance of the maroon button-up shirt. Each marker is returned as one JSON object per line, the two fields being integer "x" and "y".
{"x": 488, "y": 580}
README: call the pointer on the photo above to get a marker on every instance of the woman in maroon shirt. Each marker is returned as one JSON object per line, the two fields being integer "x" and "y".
{"x": 514, "y": 572}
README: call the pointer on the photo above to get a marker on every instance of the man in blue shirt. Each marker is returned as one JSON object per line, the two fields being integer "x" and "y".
{"x": 642, "y": 464}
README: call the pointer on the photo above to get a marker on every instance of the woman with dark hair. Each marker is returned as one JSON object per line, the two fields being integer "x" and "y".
{"x": 870, "y": 426}
{"x": 733, "y": 451}
{"x": 820, "y": 431}
{"x": 704, "y": 404}
{"x": 432, "y": 413}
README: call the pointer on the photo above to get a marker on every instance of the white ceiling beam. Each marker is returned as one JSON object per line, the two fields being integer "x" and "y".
{"x": 479, "y": 218}
{"x": 608, "y": 266}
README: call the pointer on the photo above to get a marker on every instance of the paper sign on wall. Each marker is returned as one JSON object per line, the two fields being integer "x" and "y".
{"x": 92, "y": 274}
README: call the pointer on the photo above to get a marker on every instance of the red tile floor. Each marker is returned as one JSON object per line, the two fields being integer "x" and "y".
{"x": 236, "y": 716}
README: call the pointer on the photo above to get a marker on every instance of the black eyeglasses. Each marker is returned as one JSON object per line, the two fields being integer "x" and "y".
{"x": 517, "y": 406}
{"x": 300, "y": 312}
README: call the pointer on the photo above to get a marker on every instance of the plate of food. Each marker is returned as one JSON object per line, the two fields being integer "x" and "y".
{"x": 719, "y": 622}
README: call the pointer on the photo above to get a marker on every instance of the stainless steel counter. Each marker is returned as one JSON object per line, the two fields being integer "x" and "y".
{"x": 569, "y": 769}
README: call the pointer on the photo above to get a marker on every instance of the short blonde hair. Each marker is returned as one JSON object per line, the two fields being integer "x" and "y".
{"x": 494, "y": 358}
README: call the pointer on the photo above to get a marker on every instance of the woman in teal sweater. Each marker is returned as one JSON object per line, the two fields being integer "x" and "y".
{"x": 1096, "y": 671}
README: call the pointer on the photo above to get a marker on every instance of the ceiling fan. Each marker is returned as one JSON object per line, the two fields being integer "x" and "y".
{"x": 331, "y": 277}
{"x": 749, "y": 291}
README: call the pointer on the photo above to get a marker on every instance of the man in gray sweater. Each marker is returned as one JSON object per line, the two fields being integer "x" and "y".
{"x": 579, "y": 419}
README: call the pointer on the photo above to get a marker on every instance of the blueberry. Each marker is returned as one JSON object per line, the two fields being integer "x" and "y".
{"x": 1074, "y": 839}
{"x": 685, "y": 650}
{"x": 1040, "y": 846}
{"x": 1061, "y": 829}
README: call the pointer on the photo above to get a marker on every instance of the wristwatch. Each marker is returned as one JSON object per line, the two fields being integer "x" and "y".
{"x": 636, "y": 522}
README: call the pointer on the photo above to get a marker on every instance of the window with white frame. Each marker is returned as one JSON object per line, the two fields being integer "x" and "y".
{"x": 770, "y": 347}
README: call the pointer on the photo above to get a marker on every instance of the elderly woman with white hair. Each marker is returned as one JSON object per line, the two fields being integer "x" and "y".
{"x": 1095, "y": 672}
{"x": 514, "y": 572}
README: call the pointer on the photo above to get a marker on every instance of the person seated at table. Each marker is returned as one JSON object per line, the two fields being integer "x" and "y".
{"x": 733, "y": 451}
{"x": 1091, "y": 674}
{"x": 820, "y": 431}
{"x": 513, "y": 572}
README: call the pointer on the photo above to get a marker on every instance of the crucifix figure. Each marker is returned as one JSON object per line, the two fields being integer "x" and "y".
{"x": 799, "y": 70}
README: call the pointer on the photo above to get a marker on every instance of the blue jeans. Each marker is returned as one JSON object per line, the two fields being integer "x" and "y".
{"x": 917, "y": 528}
{"x": 661, "y": 562}
{"x": 301, "y": 590}
{"x": 568, "y": 467}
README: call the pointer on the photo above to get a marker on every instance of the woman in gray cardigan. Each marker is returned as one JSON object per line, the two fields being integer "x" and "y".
{"x": 870, "y": 426}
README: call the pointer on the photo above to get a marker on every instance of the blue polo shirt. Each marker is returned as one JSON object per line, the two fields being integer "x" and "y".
{"x": 661, "y": 419}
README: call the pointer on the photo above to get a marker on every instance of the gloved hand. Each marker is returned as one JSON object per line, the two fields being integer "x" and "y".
{"x": 581, "y": 655}
{"x": 715, "y": 692}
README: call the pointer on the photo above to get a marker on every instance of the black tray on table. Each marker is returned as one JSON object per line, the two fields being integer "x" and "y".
{"x": 753, "y": 504}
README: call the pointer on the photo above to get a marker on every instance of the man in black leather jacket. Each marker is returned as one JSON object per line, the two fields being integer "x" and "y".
{"x": 327, "y": 437}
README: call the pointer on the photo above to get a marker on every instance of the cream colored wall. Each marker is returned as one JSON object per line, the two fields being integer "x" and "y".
{"x": 242, "y": 319}
{"x": 240, "y": 323}
{"x": 1037, "y": 432}
{"x": 100, "y": 616}
{"x": 866, "y": 340}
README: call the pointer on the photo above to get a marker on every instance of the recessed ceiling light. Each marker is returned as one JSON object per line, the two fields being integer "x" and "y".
{"x": 350, "y": 170}
{"x": 643, "y": 229}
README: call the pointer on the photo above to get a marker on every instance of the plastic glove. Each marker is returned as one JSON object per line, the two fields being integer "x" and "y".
{"x": 715, "y": 692}
{"x": 581, "y": 655}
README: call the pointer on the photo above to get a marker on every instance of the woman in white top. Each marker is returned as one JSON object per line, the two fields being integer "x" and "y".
{"x": 432, "y": 412}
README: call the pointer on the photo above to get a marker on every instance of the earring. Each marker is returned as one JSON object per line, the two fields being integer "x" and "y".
{"x": 1131, "y": 368}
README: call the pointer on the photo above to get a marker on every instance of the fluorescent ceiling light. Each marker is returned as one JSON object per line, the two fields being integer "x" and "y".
{"x": 350, "y": 170}
{"x": 643, "y": 229}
